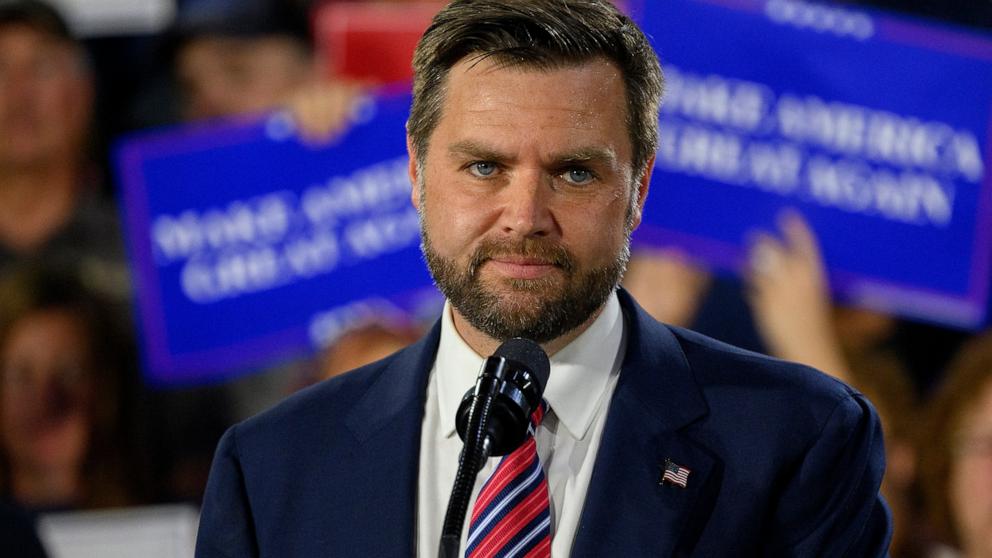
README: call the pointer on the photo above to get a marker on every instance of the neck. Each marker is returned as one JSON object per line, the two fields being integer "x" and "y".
{"x": 35, "y": 202}
{"x": 46, "y": 487}
{"x": 485, "y": 345}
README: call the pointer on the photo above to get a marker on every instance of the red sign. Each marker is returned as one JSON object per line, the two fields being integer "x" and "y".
{"x": 371, "y": 41}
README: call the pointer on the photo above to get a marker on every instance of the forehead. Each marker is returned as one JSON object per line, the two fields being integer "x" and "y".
{"x": 225, "y": 48}
{"x": 209, "y": 51}
{"x": 46, "y": 329}
{"x": 584, "y": 102}
{"x": 22, "y": 36}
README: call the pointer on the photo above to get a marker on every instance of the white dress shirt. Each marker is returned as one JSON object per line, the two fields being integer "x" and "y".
{"x": 583, "y": 376}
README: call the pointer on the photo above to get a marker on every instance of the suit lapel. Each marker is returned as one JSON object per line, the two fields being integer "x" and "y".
{"x": 628, "y": 511}
{"x": 386, "y": 423}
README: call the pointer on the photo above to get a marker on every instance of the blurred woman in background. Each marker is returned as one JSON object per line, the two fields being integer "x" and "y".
{"x": 62, "y": 366}
{"x": 957, "y": 466}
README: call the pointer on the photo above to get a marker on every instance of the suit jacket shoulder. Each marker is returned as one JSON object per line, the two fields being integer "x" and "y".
{"x": 756, "y": 392}
{"x": 781, "y": 459}
{"x": 329, "y": 471}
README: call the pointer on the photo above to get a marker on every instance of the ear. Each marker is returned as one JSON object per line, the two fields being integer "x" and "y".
{"x": 642, "y": 192}
{"x": 413, "y": 171}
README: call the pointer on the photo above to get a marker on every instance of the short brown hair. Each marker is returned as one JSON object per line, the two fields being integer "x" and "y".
{"x": 541, "y": 34}
{"x": 37, "y": 15}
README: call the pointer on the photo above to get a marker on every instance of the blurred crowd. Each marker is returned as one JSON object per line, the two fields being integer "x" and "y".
{"x": 80, "y": 430}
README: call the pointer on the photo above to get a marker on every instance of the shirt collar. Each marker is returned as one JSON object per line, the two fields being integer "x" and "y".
{"x": 580, "y": 371}
{"x": 456, "y": 368}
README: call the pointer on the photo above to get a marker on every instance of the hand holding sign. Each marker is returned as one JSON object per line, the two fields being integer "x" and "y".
{"x": 322, "y": 110}
{"x": 789, "y": 297}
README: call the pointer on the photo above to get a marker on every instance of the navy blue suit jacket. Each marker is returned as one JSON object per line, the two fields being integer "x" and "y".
{"x": 784, "y": 461}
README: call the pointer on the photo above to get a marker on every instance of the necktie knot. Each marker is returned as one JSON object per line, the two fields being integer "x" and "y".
{"x": 537, "y": 417}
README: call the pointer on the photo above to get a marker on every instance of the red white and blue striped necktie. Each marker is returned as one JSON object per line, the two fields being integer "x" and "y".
{"x": 512, "y": 516}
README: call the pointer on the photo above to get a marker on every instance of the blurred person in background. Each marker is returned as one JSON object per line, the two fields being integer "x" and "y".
{"x": 882, "y": 378}
{"x": 956, "y": 467}
{"x": 363, "y": 344}
{"x": 50, "y": 198}
{"x": 64, "y": 371}
{"x": 247, "y": 57}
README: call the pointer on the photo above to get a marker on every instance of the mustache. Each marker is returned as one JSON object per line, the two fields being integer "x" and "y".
{"x": 544, "y": 250}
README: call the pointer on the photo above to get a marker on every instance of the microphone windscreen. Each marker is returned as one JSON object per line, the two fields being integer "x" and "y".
{"x": 528, "y": 354}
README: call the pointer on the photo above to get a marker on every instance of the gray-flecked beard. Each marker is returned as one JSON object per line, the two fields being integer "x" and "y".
{"x": 545, "y": 308}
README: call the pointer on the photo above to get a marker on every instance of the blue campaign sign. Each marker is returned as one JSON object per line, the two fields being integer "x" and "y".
{"x": 874, "y": 127}
{"x": 249, "y": 245}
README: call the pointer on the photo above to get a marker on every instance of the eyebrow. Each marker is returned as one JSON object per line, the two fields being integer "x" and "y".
{"x": 600, "y": 155}
{"x": 476, "y": 150}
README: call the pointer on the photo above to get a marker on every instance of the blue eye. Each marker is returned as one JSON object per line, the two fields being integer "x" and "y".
{"x": 579, "y": 177}
{"x": 482, "y": 169}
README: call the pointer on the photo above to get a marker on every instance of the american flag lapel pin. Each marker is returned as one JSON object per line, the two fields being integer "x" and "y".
{"x": 675, "y": 474}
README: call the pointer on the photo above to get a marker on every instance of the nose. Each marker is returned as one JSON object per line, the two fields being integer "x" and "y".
{"x": 57, "y": 398}
{"x": 209, "y": 97}
{"x": 527, "y": 209}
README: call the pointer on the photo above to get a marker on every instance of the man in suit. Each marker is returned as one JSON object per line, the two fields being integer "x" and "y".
{"x": 532, "y": 137}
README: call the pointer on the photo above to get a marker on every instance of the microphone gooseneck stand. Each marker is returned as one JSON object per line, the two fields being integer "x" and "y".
{"x": 492, "y": 420}
{"x": 474, "y": 455}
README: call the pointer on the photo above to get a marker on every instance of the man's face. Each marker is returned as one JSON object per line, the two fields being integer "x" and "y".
{"x": 228, "y": 76}
{"x": 45, "y": 98}
{"x": 527, "y": 196}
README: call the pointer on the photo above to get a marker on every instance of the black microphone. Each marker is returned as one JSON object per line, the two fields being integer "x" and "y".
{"x": 492, "y": 420}
{"x": 521, "y": 370}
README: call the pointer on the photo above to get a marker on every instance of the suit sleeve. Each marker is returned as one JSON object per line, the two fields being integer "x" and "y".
{"x": 830, "y": 504}
{"x": 226, "y": 526}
